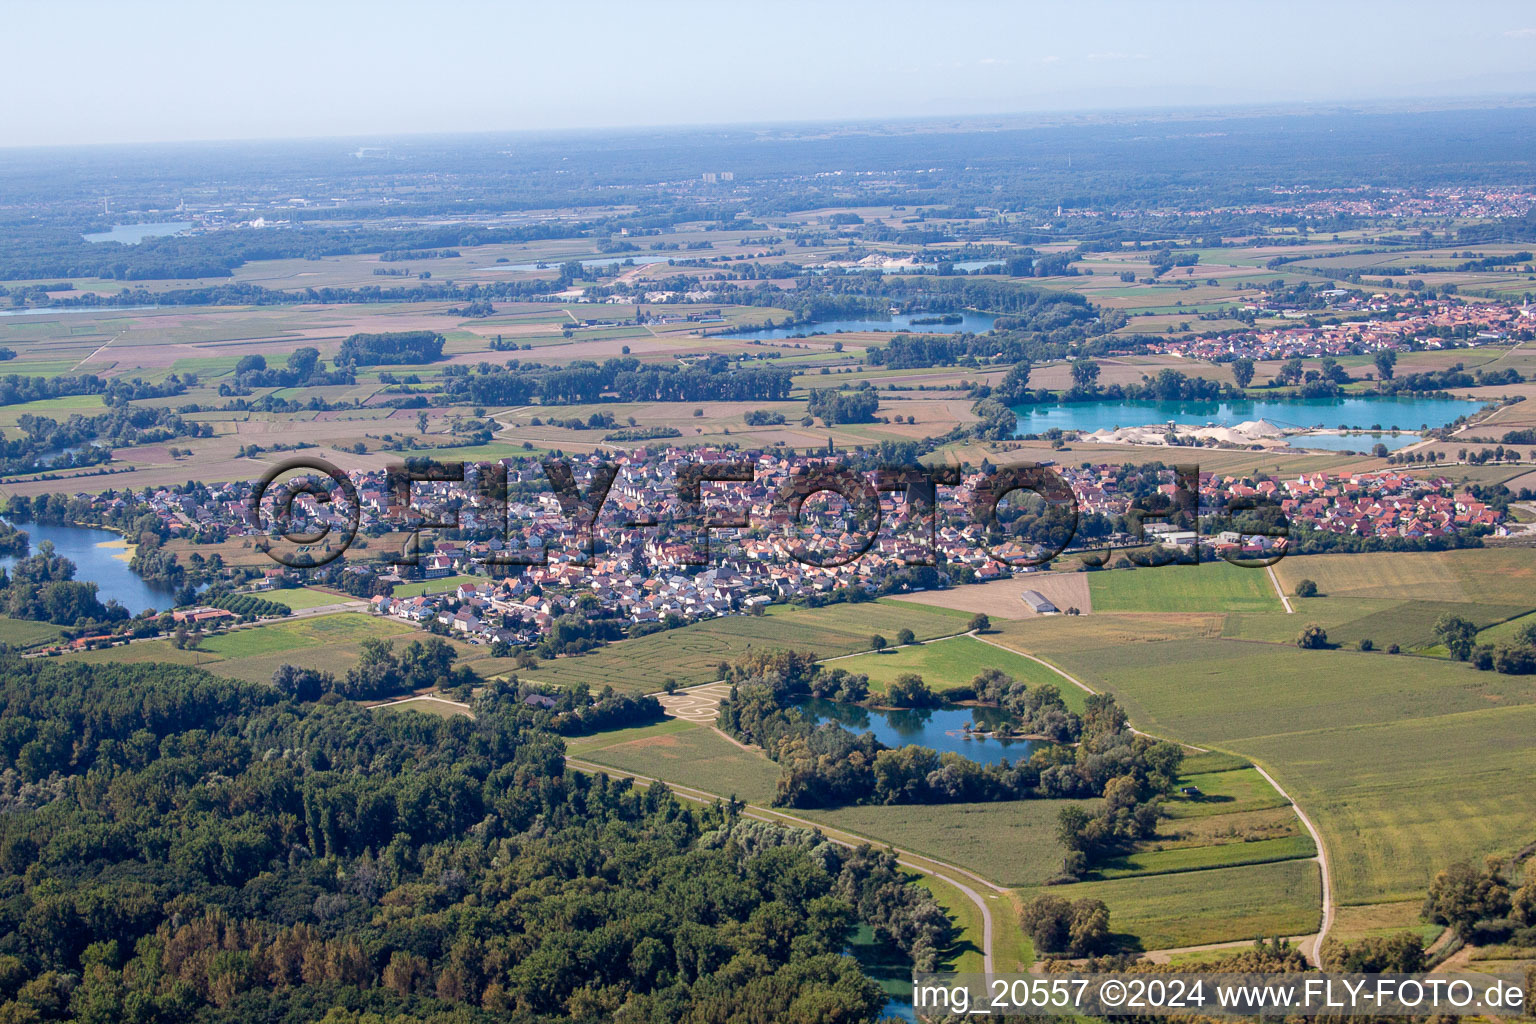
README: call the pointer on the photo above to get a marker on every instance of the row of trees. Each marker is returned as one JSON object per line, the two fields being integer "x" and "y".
{"x": 381, "y": 671}
{"x": 623, "y": 379}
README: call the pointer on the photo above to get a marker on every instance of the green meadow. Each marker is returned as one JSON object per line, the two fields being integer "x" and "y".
{"x": 303, "y": 597}
{"x": 254, "y": 653}
{"x": 1220, "y": 905}
{"x": 1208, "y": 587}
{"x": 691, "y": 654}
{"x": 954, "y": 662}
{"x": 690, "y": 755}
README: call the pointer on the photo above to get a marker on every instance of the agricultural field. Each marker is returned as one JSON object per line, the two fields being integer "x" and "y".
{"x": 691, "y": 654}
{"x": 1208, "y": 587}
{"x": 1221, "y": 905}
{"x": 1202, "y": 858}
{"x": 254, "y": 653}
{"x": 26, "y": 633}
{"x": 1202, "y": 654}
{"x": 1221, "y": 691}
{"x": 693, "y": 755}
{"x": 955, "y": 662}
{"x": 305, "y": 597}
{"x": 1381, "y": 750}
{"x": 1397, "y": 801}
{"x": 1012, "y": 842}
{"x": 1505, "y": 576}
{"x": 1409, "y": 624}
{"x": 1507, "y": 629}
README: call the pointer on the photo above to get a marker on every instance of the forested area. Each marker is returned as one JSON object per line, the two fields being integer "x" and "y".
{"x": 178, "y": 847}
{"x": 1145, "y": 179}
{"x": 391, "y": 348}
{"x": 42, "y": 586}
{"x": 81, "y": 440}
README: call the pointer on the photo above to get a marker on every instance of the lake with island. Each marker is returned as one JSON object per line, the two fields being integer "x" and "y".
{"x": 976, "y": 323}
{"x": 942, "y": 729}
{"x": 100, "y": 557}
{"x": 1355, "y": 412}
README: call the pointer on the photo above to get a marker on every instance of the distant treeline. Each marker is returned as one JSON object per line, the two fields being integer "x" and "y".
{"x": 304, "y": 367}
{"x": 33, "y": 251}
{"x": 16, "y": 389}
{"x": 397, "y": 255}
{"x": 623, "y": 379}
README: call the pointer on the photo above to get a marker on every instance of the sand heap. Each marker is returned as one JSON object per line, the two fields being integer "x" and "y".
{"x": 1261, "y": 432}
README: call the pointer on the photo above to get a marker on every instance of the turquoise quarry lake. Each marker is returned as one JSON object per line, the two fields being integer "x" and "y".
{"x": 1354, "y": 412}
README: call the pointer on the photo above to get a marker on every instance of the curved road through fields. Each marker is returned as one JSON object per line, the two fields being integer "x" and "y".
{"x": 952, "y": 874}
{"x": 1313, "y": 942}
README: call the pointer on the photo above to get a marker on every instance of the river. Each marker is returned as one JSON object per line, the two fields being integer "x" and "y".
{"x": 100, "y": 557}
{"x": 942, "y": 729}
{"x": 1362, "y": 412}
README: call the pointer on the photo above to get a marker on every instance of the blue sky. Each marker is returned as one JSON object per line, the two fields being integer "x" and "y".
{"x": 81, "y": 71}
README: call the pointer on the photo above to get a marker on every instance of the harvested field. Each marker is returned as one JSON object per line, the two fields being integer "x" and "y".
{"x": 1003, "y": 598}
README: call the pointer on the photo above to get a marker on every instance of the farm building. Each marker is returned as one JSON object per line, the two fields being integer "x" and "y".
{"x": 1039, "y": 602}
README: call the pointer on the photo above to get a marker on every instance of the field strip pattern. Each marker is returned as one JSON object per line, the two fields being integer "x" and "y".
{"x": 1310, "y": 946}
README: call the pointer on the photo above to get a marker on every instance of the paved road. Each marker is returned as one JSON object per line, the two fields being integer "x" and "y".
{"x": 1322, "y": 861}
{"x": 1310, "y": 944}
{"x": 701, "y": 705}
{"x": 1276, "y": 581}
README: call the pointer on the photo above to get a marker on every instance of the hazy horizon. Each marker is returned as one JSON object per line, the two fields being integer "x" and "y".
{"x": 178, "y": 72}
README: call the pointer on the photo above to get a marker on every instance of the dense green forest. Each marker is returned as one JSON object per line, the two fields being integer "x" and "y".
{"x": 179, "y": 847}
